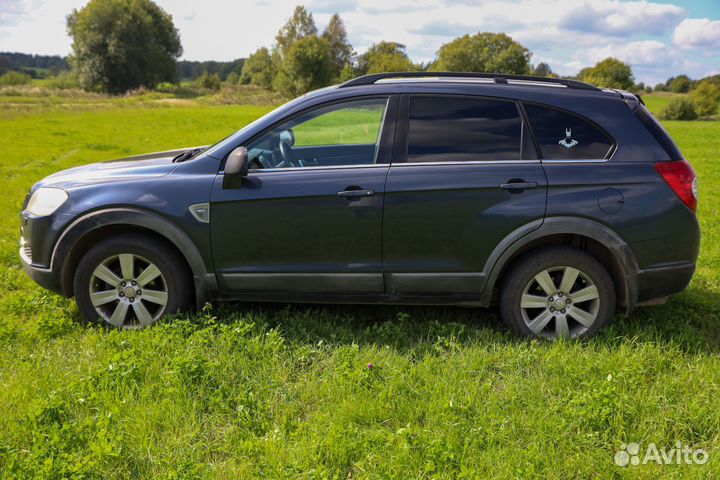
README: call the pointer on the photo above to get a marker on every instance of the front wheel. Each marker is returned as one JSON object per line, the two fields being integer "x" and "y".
{"x": 130, "y": 281}
{"x": 557, "y": 292}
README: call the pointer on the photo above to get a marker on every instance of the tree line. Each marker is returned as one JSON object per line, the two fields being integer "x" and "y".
{"x": 190, "y": 70}
{"x": 120, "y": 45}
{"x": 303, "y": 59}
{"x": 703, "y": 99}
{"x": 42, "y": 66}
{"x": 33, "y": 65}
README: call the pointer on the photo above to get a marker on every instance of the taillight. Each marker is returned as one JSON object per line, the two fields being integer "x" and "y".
{"x": 680, "y": 176}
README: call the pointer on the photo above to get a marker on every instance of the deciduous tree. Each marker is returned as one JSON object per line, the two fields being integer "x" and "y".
{"x": 609, "y": 73}
{"x": 340, "y": 49}
{"x": 305, "y": 66}
{"x": 259, "y": 69}
{"x": 119, "y": 45}
{"x": 542, "y": 70}
{"x": 300, "y": 25}
{"x": 385, "y": 57}
{"x": 679, "y": 108}
{"x": 483, "y": 52}
{"x": 680, "y": 84}
{"x": 707, "y": 97}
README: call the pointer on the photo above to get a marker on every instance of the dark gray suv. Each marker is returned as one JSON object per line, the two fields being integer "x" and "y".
{"x": 562, "y": 202}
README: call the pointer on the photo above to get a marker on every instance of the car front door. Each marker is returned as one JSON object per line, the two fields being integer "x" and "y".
{"x": 465, "y": 174}
{"x": 308, "y": 216}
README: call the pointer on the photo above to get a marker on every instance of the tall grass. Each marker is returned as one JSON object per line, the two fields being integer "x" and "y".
{"x": 62, "y": 93}
{"x": 277, "y": 391}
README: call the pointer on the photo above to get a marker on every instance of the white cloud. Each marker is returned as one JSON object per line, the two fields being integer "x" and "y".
{"x": 561, "y": 66}
{"x": 621, "y": 18}
{"x": 605, "y": 17}
{"x": 13, "y": 11}
{"x": 536, "y": 23}
{"x": 332, "y": 6}
{"x": 374, "y": 7}
{"x": 639, "y": 53}
{"x": 697, "y": 33}
{"x": 34, "y": 26}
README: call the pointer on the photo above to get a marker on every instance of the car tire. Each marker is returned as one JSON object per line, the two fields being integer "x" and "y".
{"x": 557, "y": 291}
{"x": 131, "y": 281}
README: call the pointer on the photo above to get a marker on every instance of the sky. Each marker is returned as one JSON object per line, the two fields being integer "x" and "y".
{"x": 659, "y": 38}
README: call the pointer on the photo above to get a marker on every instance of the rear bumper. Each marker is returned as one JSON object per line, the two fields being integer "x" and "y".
{"x": 654, "y": 283}
{"x": 44, "y": 277}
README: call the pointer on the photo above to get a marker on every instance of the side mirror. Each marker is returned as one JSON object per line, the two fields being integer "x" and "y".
{"x": 237, "y": 162}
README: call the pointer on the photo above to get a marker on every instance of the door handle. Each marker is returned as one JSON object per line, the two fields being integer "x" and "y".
{"x": 356, "y": 193}
{"x": 518, "y": 185}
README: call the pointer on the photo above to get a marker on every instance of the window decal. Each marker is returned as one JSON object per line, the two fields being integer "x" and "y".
{"x": 582, "y": 141}
{"x": 568, "y": 141}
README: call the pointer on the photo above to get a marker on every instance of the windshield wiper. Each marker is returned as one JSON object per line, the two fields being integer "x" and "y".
{"x": 187, "y": 155}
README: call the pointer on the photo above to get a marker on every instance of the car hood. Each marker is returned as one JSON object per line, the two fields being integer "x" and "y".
{"x": 137, "y": 167}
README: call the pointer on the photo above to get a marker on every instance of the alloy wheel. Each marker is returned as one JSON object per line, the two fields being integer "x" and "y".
{"x": 560, "y": 302}
{"x": 128, "y": 291}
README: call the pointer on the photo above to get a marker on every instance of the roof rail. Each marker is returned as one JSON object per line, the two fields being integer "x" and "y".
{"x": 497, "y": 77}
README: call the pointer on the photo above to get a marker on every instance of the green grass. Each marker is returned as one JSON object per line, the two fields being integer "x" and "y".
{"x": 248, "y": 391}
{"x": 655, "y": 102}
{"x": 352, "y": 126}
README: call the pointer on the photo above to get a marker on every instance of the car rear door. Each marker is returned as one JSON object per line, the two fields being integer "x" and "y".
{"x": 308, "y": 217}
{"x": 465, "y": 174}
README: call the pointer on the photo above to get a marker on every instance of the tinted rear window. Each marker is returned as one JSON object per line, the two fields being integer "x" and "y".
{"x": 564, "y": 136}
{"x": 659, "y": 132}
{"x": 446, "y": 129}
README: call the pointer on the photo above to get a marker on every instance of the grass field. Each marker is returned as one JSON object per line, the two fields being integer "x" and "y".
{"x": 249, "y": 391}
{"x": 348, "y": 126}
{"x": 657, "y": 101}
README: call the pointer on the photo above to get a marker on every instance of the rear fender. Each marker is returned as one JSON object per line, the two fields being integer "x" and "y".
{"x": 507, "y": 250}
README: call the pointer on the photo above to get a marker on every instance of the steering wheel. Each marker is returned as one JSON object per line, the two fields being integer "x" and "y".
{"x": 288, "y": 156}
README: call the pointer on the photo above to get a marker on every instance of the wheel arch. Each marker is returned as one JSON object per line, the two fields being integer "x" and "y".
{"x": 595, "y": 238}
{"x": 97, "y": 225}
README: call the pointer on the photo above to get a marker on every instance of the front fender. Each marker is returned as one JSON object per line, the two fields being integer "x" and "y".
{"x": 65, "y": 250}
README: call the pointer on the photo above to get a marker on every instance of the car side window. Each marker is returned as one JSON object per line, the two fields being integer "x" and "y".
{"x": 564, "y": 136}
{"x": 458, "y": 129}
{"x": 341, "y": 134}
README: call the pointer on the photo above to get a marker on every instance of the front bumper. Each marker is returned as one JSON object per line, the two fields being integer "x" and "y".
{"x": 44, "y": 277}
{"x": 36, "y": 239}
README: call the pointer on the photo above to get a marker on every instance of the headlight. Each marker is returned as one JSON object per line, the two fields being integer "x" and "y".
{"x": 46, "y": 200}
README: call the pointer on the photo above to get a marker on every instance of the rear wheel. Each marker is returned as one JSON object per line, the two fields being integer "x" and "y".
{"x": 557, "y": 292}
{"x": 130, "y": 281}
